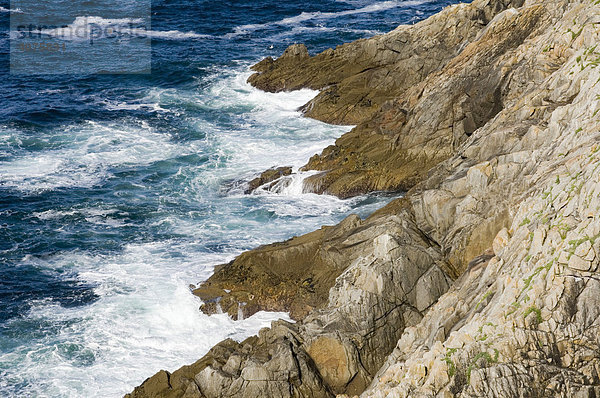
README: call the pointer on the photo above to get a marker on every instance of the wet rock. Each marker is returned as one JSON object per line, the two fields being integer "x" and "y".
{"x": 267, "y": 177}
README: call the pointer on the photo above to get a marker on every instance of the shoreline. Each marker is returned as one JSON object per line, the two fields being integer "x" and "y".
{"x": 444, "y": 291}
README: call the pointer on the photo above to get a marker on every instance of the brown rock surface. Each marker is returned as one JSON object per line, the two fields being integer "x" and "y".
{"x": 268, "y": 176}
{"x": 293, "y": 276}
{"x": 429, "y": 122}
{"x": 358, "y": 77}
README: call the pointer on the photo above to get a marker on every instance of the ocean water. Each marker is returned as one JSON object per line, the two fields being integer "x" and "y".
{"x": 119, "y": 191}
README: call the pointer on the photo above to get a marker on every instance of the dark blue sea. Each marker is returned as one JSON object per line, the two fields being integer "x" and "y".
{"x": 118, "y": 191}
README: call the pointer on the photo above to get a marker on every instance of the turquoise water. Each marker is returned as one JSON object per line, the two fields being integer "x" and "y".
{"x": 119, "y": 191}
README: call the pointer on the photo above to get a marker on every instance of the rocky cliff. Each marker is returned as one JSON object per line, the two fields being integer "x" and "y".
{"x": 483, "y": 279}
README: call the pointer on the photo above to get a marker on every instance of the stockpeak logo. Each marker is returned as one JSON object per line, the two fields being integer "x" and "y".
{"x": 88, "y": 29}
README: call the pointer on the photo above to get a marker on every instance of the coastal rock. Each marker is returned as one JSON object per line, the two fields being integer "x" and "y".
{"x": 358, "y": 77}
{"x": 338, "y": 348}
{"x": 267, "y": 177}
{"x": 526, "y": 324}
{"x": 292, "y": 276}
{"x": 396, "y": 148}
{"x": 482, "y": 280}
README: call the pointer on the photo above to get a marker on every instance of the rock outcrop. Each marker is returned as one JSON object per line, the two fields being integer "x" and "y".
{"x": 428, "y": 123}
{"x": 293, "y": 276}
{"x": 268, "y": 177}
{"x": 392, "y": 86}
{"x": 336, "y": 349}
{"x": 483, "y": 280}
{"x": 358, "y": 77}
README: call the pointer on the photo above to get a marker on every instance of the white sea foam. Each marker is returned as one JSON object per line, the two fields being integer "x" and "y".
{"x": 296, "y": 30}
{"x": 13, "y": 10}
{"x": 289, "y": 185}
{"x": 143, "y": 106}
{"x": 99, "y": 216}
{"x": 145, "y": 320}
{"x": 275, "y": 132}
{"x": 170, "y": 34}
{"x": 86, "y": 155}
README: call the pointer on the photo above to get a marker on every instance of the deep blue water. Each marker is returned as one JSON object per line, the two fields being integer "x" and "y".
{"x": 116, "y": 190}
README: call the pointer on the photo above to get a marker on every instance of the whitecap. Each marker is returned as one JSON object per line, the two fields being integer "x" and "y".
{"x": 298, "y": 30}
{"x": 13, "y": 10}
{"x": 139, "y": 106}
{"x": 87, "y": 155}
{"x": 318, "y": 15}
{"x": 170, "y": 34}
{"x": 99, "y": 216}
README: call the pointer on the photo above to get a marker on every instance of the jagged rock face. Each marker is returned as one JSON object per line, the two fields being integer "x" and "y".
{"x": 484, "y": 277}
{"x": 527, "y": 324}
{"x": 334, "y": 350}
{"x": 358, "y": 77}
{"x": 426, "y": 91}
